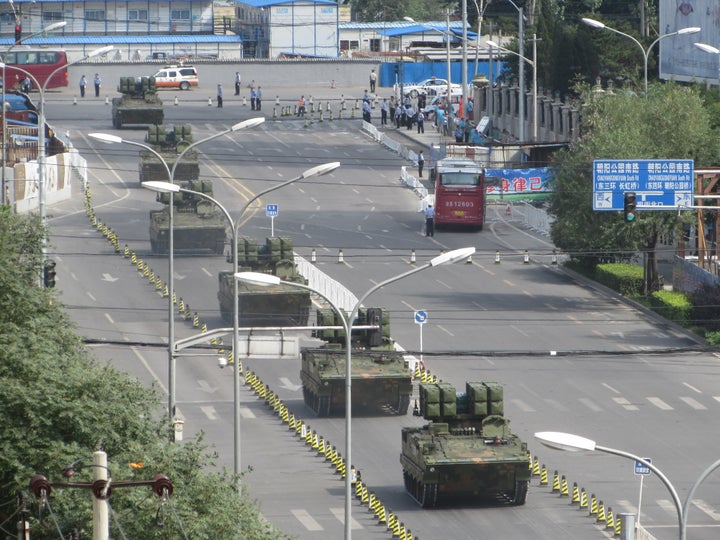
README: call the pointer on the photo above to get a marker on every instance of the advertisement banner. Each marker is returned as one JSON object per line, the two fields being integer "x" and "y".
{"x": 679, "y": 59}
{"x": 523, "y": 182}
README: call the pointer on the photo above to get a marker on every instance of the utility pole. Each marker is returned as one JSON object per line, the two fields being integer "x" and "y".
{"x": 101, "y": 523}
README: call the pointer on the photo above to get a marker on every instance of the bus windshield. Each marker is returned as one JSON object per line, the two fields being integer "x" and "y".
{"x": 459, "y": 179}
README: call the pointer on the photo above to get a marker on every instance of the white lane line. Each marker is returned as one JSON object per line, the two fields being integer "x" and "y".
{"x": 91, "y": 296}
{"x": 524, "y": 407}
{"x": 691, "y": 387}
{"x": 307, "y": 520}
{"x": 625, "y": 404}
{"x": 707, "y": 508}
{"x": 208, "y": 273}
{"x": 660, "y": 404}
{"x": 210, "y": 412}
{"x": 694, "y": 403}
{"x": 519, "y": 331}
{"x": 613, "y": 390}
{"x": 590, "y": 404}
{"x": 448, "y": 332}
{"x": 339, "y": 513}
{"x": 109, "y": 318}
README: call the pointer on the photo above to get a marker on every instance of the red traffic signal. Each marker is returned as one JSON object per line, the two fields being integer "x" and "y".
{"x": 18, "y": 34}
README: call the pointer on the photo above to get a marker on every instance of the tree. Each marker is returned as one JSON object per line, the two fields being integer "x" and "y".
{"x": 58, "y": 405}
{"x": 671, "y": 123}
{"x": 381, "y": 10}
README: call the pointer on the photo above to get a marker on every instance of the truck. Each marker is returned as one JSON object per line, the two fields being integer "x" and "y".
{"x": 466, "y": 451}
{"x": 381, "y": 379}
{"x": 169, "y": 142}
{"x": 139, "y": 103}
{"x": 197, "y": 224}
{"x": 259, "y": 305}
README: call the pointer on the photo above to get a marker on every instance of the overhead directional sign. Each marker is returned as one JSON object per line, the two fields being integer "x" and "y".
{"x": 271, "y": 210}
{"x": 659, "y": 184}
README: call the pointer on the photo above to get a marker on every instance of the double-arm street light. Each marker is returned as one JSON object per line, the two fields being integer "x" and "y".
{"x": 574, "y": 443}
{"x": 533, "y": 63}
{"x": 347, "y": 322}
{"x": 41, "y": 121}
{"x": 645, "y": 52}
{"x": 169, "y": 187}
{"x": 48, "y": 28}
{"x": 712, "y": 50}
{"x": 113, "y": 139}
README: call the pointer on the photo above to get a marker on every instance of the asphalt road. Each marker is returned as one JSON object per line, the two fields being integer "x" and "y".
{"x": 571, "y": 357}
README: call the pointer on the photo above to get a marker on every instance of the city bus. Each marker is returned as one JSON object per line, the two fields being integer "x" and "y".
{"x": 459, "y": 193}
{"x": 40, "y": 63}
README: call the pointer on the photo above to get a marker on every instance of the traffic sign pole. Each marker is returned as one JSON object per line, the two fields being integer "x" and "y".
{"x": 642, "y": 471}
{"x": 271, "y": 211}
{"x": 420, "y": 320}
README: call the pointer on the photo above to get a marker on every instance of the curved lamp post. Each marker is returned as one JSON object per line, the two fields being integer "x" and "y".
{"x": 169, "y": 187}
{"x": 645, "y": 52}
{"x": 574, "y": 443}
{"x": 347, "y": 322}
{"x": 111, "y": 139}
{"x": 48, "y": 28}
{"x": 709, "y": 49}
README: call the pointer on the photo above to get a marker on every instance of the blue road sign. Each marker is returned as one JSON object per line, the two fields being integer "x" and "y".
{"x": 420, "y": 317}
{"x": 271, "y": 210}
{"x": 659, "y": 184}
{"x": 641, "y": 468}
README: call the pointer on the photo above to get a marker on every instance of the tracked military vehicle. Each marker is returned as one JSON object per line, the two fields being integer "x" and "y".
{"x": 258, "y": 305}
{"x": 197, "y": 224}
{"x": 466, "y": 451}
{"x": 169, "y": 142}
{"x": 139, "y": 103}
{"x": 381, "y": 380}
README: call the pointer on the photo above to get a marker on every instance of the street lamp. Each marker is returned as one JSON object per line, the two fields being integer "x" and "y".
{"x": 112, "y": 139}
{"x": 347, "y": 322}
{"x": 645, "y": 52}
{"x": 170, "y": 187}
{"x": 709, "y": 49}
{"x": 48, "y": 28}
{"x": 533, "y": 63}
{"x": 574, "y": 443}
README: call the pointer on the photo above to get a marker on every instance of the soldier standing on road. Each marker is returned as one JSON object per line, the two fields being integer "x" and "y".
{"x": 83, "y": 85}
{"x": 429, "y": 220}
{"x": 219, "y": 96}
{"x": 373, "y": 80}
{"x": 421, "y": 163}
{"x": 97, "y": 81}
{"x": 258, "y": 98}
{"x": 238, "y": 81}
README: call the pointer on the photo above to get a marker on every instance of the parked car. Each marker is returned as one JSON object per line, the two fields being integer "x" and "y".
{"x": 430, "y": 87}
{"x": 438, "y": 102}
{"x": 182, "y": 77}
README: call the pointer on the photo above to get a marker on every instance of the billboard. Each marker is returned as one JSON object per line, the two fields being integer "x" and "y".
{"x": 680, "y": 60}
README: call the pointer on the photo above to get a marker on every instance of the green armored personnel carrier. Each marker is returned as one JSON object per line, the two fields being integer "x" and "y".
{"x": 169, "y": 142}
{"x": 258, "y": 305}
{"x": 467, "y": 449}
{"x": 197, "y": 224}
{"x": 381, "y": 380}
{"x": 139, "y": 103}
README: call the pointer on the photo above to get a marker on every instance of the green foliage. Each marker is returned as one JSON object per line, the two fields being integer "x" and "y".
{"x": 672, "y": 305}
{"x": 713, "y": 338}
{"x": 627, "y": 279}
{"x": 706, "y": 302}
{"x": 58, "y": 405}
{"x": 381, "y": 10}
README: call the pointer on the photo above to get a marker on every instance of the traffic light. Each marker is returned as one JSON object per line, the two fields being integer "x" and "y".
{"x": 630, "y": 205}
{"x": 374, "y": 316}
{"x": 49, "y": 273}
{"x": 18, "y": 34}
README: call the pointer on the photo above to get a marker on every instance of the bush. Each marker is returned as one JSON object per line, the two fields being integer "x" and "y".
{"x": 673, "y": 305}
{"x": 627, "y": 279}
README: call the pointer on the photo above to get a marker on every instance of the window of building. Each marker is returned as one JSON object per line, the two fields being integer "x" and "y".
{"x": 137, "y": 15}
{"x": 7, "y": 17}
{"x": 180, "y": 14}
{"x": 51, "y": 16}
{"x": 94, "y": 15}
{"x": 375, "y": 45}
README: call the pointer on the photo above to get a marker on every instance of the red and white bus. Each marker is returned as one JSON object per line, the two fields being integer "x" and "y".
{"x": 459, "y": 193}
{"x": 40, "y": 63}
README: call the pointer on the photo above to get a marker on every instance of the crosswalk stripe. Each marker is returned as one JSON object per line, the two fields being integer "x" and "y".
{"x": 339, "y": 513}
{"x": 705, "y": 507}
{"x": 625, "y": 404}
{"x": 590, "y": 404}
{"x": 694, "y": 403}
{"x": 659, "y": 403}
{"x": 307, "y": 520}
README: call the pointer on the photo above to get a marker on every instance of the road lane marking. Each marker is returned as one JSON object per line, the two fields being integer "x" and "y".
{"x": 91, "y": 296}
{"x": 206, "y": 271}
{"x": 307, "y": 520}
{"x": 339, "y": 513}
{"x": 613, "y": 390}
{"x": 109, "y": 318}
{"x": 625, "y": 404}
{"x": 448, "y": 332}
{"x": 210, "y": 412}
{"x": 707, "y": 508}
{"x": 660, "y": 404}
{"x": 524, "y": 407}
{"x": 556, "y": 404}
{"x": 590, "y": 404}
{"x": 519, "y": 331}
{"x": 694, "y": 403}
{"x": 691, "y": 387}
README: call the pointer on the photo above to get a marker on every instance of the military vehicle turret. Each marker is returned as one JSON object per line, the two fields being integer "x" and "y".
{"x": 466, "y": 451}
{"x": 197, "y": 224}
{"x": 139, "y": 103}
{"x": 169, "y": 142}
{"x": 381, "y": 380}
{"x": 258, "y": 305}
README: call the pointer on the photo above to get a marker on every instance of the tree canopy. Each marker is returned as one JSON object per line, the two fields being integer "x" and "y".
{"x": 671, "y": 123}
{"x": 58, "y": 405}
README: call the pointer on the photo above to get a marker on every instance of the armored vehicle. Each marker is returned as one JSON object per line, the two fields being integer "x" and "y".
{"x": 197, "y": 224}
{"x": 381, "y": 382}
{"x": 139, "y": 103}
{"x": 258, "y": 305}
{"x": 169, "y": 143}
{"x": 467, "y": 449}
